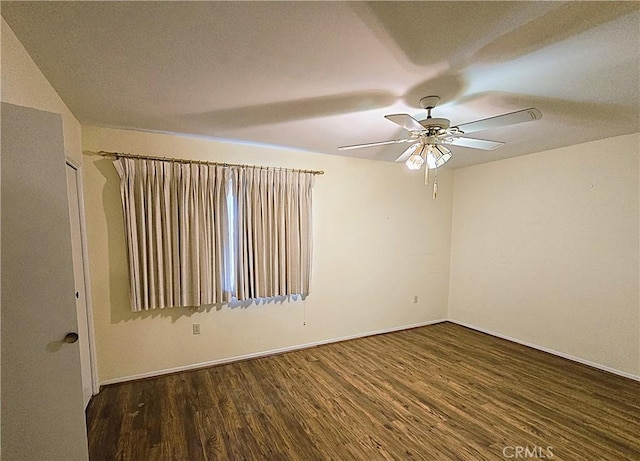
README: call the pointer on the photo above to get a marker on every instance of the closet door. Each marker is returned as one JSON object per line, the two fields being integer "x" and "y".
{"x": 42, "y": 405}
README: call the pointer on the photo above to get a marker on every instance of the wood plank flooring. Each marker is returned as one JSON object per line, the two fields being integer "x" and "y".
{"x": 441, "y": 392}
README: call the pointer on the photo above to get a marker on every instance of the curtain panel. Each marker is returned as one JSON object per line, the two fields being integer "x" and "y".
{"x": 176, "y": 224}
{"x": 201, "y": 234}
{"x": 273, "y": 232}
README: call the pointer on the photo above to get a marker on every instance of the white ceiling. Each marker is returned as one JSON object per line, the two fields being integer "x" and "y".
{"x": 317, "y": 75}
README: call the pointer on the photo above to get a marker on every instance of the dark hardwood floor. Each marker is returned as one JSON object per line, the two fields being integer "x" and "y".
{"x": 441, "y": 392}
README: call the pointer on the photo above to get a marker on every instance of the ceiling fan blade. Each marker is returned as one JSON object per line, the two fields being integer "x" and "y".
{"x": 525, "y": 115}
{"x": 406, "y": 121}
{"x": 371, "y": 144}
{"x": 407, "y": 153}
{"x": 475, "y": 143}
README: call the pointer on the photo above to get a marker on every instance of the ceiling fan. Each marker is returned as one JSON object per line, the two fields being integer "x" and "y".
{"x": 430, "y": 137}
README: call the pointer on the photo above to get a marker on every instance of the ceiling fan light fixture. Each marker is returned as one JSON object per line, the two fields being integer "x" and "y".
{"x": 416, "y": 160}
{"x": 431, "y": 157}
{"x": 410, "y": 150}
{"x": 437, "y": 156}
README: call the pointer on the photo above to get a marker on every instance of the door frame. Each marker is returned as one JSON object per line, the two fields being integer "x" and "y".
{"x": 95, "y": 384}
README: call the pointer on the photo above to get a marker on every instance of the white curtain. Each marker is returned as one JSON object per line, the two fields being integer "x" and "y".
{"x": 201, "y": 234}
{"x": 176, "y": 224}
{"x": 273, "y": 232}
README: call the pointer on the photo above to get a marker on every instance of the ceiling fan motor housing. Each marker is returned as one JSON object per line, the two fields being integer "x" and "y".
{"x": 437, "y": 123}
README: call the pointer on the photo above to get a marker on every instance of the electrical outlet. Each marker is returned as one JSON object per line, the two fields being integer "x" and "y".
{"x": 196, "y": 328}
{"x": 415, "y": 299}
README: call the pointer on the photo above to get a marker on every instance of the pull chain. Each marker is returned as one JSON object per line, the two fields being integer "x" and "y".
{"x": 435, "y": 184}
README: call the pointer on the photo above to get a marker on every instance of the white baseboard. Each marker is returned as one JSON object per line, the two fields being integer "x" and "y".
{"x": 254, "y": 355}
{"x": 550, "y": 351}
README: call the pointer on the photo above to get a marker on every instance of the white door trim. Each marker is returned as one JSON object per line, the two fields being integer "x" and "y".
{"x": 95, "y": 384}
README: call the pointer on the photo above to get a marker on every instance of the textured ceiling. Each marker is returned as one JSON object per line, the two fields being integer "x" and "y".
{"x": 317, "y": 75}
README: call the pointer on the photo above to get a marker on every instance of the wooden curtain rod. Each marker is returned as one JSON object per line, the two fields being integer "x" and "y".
{"x": 203, "y": 162}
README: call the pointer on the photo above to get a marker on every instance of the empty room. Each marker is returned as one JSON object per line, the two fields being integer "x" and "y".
{"x": 237, "y": 230}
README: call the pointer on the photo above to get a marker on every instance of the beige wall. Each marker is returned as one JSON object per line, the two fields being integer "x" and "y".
{"x": 379, "y": 240}
{"x": 24, "y": 85}
{"x": 545, "y": 250}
